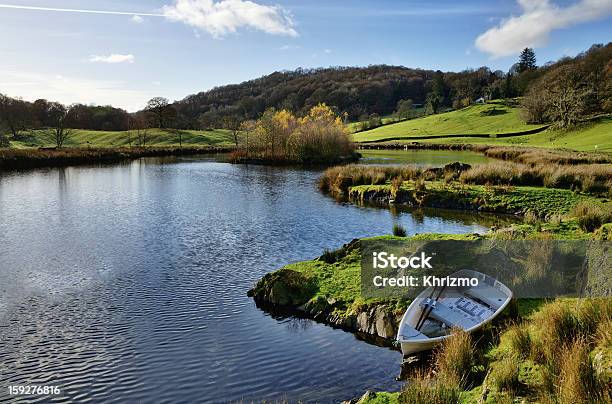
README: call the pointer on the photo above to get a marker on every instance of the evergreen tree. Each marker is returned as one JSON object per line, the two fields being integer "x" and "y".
{"x": 527, "y": 60}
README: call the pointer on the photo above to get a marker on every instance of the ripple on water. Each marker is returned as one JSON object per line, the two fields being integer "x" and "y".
{"x": 128, "y": 283}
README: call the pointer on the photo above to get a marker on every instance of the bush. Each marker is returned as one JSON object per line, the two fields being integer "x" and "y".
{"x": 399, "y": 230}
{"x": 590, "y": 216}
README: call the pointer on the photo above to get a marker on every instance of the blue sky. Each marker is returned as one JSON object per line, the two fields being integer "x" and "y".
{"x": 186, "y": 46}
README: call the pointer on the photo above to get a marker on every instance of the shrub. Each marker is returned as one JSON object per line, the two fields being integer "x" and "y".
{"x": 399, "y": 230}
{"x": 455, "y": 358}
{"x": 591, "y": 216}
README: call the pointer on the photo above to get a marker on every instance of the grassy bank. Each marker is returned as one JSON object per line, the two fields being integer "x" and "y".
{"x": 30, "y": 158}
{"x": 107, "y": 139}
{"x": 559, "y": 353}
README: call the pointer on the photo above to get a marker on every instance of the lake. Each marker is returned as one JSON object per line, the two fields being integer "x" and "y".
{"x": 128, "y": 282}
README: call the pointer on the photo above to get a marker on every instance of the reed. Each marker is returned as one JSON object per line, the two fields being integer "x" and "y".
{"x": 399, "y": 230}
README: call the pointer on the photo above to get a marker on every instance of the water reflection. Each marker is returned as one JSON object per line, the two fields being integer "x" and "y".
{"x": 128, "y": 282}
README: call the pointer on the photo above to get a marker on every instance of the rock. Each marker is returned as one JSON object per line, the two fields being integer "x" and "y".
{"x": 378, "y": 321}
{"x": 284, "y": 288}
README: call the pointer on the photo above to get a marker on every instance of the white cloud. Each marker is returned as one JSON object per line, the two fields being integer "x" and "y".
{"x": 328, "y": 51}
{"x": 113, "y": 58}
{"x": 220, "y": 18}
{"x": 68, "y": 90}
{"x": 288, "y": 47}
{"x": 538, "y": 20}
{"x": 137, "y": 19}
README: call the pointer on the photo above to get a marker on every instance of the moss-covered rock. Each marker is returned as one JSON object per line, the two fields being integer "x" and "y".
{"x": 285, "y": 288}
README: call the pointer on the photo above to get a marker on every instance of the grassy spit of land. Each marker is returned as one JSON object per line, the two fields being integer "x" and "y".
{"x": 32, "y": 158}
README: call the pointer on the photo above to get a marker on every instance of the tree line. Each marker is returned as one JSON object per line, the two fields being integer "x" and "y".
{"x": 559, "y": 92}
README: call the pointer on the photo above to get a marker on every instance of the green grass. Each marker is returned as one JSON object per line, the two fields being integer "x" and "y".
{"x": 156, "y": 137}
{"x": 476, "y": 119}
{"x": 593, "y": 137}
{"x": 543, "y": 201}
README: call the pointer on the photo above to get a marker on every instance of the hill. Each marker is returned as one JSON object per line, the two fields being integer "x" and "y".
{"x": 496, "y": 117}
{"x": 593, "y": 136}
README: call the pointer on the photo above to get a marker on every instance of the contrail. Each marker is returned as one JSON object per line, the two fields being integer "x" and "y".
{"x": 76, "y": 10}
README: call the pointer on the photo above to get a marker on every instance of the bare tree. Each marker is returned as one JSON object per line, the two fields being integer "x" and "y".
{"x": 59, "y": 130}
{"x": 233, "y": 124}
{"x": 138, "y": 127}
{"x": 160, "y": 111}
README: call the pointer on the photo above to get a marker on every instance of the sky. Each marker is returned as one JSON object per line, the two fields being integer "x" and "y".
{"x": 124, "y": 52}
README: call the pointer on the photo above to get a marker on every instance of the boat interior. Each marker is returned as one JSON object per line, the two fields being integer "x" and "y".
{"x": 462, "y": 309}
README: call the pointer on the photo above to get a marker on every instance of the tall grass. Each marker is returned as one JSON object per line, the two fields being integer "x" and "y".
{"x": 594, "y": 178}
{"x": 455, "y": 358}
{"x": 578, "y": 382}
{"x": 519, "y": 340}
{"x": 337, "y": 180}
{"x": 424, "y": 390}
{"x": 399, "y": 230}
{"x": 505, "y": 374}
{"x": 537, "y": 156}
{"x": 590, "y": 216}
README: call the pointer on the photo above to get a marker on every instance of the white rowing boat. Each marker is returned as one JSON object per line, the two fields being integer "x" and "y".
{"x": 436, "y": 311}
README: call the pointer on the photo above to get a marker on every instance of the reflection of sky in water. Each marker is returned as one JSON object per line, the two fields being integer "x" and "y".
{"x": 117, "y": 278}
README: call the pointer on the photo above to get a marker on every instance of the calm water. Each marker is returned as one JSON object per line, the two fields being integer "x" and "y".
{"x": 421, "y": 158}
{"x": 128, "y": 283}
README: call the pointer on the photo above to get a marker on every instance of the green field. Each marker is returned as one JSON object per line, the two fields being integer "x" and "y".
{"x": 155, "y": 137}
{"x": 595, "y": 136}
{"x": 491, "y": 118}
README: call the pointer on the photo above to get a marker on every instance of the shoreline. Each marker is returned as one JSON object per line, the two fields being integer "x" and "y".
{"x": 11, "y": 159}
